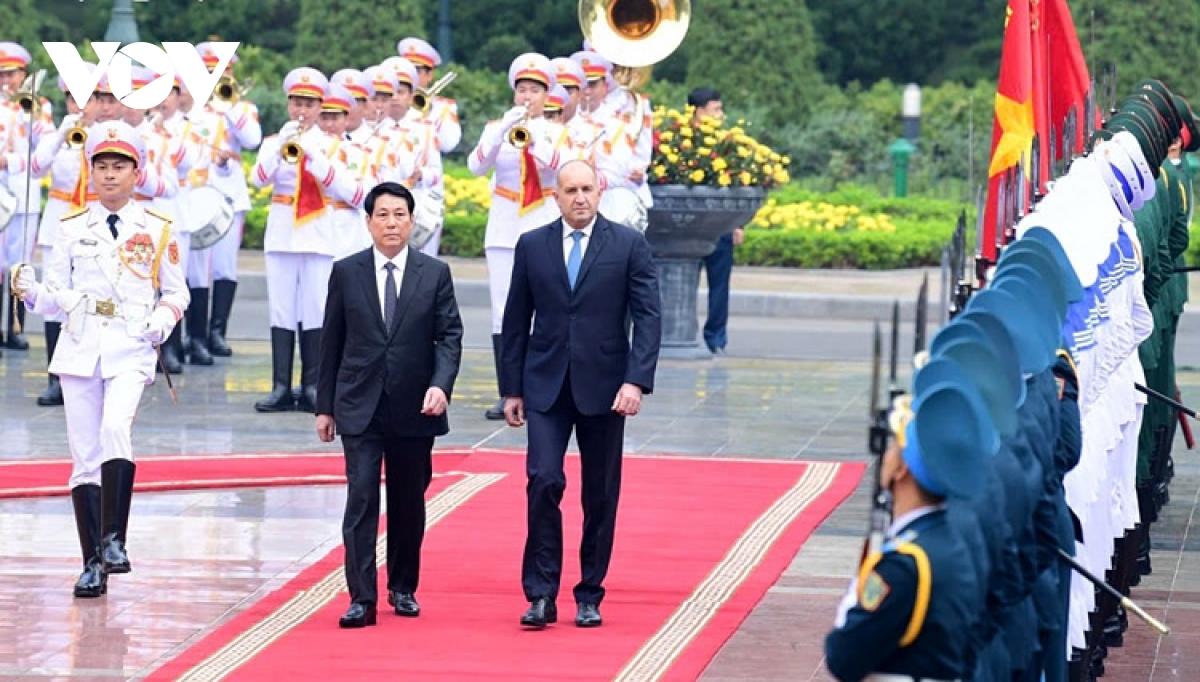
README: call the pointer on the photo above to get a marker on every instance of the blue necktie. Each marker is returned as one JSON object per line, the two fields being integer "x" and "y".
{"x": 573, "y": 260}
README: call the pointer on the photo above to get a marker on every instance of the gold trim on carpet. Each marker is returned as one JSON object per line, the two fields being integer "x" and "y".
{"x": 308, "y": 602}
{"x": 659, "y": 652}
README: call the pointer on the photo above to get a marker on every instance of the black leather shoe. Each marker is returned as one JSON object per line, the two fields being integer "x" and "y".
{"x": 588, "y": 616}
{"x": 93, "y": 582}
{"x": 358, "y": 616}
{"x": 405, "y": 604}
{"x": 541, "y": 612}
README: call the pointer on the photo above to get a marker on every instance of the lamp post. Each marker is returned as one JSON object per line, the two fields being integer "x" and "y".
{"x": 903, "y": 148}
{"x": 443, "y": 38}
{"x": 122, "y": 24}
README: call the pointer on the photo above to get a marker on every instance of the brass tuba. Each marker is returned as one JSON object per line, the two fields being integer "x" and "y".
{"x": 634, "y": 34}
{"x": 422, "y": 100}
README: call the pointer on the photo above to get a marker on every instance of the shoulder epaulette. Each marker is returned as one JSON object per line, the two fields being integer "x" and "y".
{"x": 158, "y": 214}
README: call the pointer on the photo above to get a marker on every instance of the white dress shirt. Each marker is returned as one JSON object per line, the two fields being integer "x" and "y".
{"x": 381, "y": 273}
{"x": 569, "y": 242}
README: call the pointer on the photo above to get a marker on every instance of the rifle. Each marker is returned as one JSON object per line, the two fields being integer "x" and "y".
{"x": 922, "y": 314}
{"x": 1186, "y": 268}
{"x": 1112, "y": 592}
{"x": 877, "y": 444}
{"x": 1180, "y": 407}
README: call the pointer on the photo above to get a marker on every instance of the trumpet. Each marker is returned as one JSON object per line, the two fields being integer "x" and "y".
{"x": 519, "y": 136}
{"x": 291, "y": 151}
{"x": 76, "y": 135}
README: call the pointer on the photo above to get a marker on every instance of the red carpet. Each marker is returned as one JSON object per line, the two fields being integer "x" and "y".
{"x": 40, "y": 478}
{"x": 699, "y": 541}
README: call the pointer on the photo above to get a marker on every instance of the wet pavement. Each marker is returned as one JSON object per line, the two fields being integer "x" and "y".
{"x": 790, "y": 390}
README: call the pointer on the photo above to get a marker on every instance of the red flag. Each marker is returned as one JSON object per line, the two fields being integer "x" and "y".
{"x": 309, "y": 201}
{"x": 1014, "y": 123}
{"x": 1069, "y": 82}
{"x": 532, "y": 194}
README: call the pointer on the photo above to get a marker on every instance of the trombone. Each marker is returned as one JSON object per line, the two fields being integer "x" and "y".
{"x": 291, "y": 151}
{"x": 422, "y": 100}
{"x": 26, "y": 96}
{"x": 228, "y": 93}
{"x": 518, "y": 135}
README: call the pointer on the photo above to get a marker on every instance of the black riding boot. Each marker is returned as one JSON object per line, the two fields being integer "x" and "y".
{"x": 222, "y": 303}
{"x": 197, "y": 323}
{"x": 496, "y": 411}
{"x": 283, "y": 347}
{"x": 116, "y": 487}
{"x": 93, "y": 582}
{"x": 53, "y": 393}
{"x": 172, "y": 352}
{"x": 310, "y": 364}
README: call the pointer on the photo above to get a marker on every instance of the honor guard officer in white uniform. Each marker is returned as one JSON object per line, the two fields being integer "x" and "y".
{"x": 522, "y": 181}
{"x": 569, "y": 74}
{"x": 300, "y": 242}
{"x": 349, "y": 225}
{"x": 19, "y": 238}
{"x": 443, "y": 111}
{"x": 114, "y": 273}
{"x": 237, "y": 131}
{"x": 70, "y": 191}
{"x": 361, "y": 91}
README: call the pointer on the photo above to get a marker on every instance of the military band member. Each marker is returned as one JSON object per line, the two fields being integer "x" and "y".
{"x": 522, "y": 181}
{"x": 19, "y": 239}
{"x": 443, "y": 111}
{"x": 361, "y": 89}
{"x": 569, "y": 74}
{"x": 414, "y": 133}
{"x": 556, "y": 99}
{"x": 237, "y": 131}
{"x": 300, "y": 242}
{"x": 907, "y": 614}
{"x": 70, "y": 191}
{"x": 114, "y": 273}
{"x": 349, "y": 225}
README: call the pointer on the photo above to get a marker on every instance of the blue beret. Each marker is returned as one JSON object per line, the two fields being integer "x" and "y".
{"x": 990, "y": 378}
{"x": 943, "y": 370}
{"x": 1043, "y": 266}
{"x": 1002, "y": 347}
{"x": 1025, "y": 327}
{"x": 1024, "y": 285}
{"x": 955, "y": 331}
{"x": 944, "y": 445}
{"x": 1040, "y": 235}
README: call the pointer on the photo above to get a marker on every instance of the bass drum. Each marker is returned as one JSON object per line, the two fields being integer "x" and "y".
{"x": 622, "y": 205}
{"x": 427, "y": 216}
{"x": 8, "y": 207}
{"x": 209, "y": 216}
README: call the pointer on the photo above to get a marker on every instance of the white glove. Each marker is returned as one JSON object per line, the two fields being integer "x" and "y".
{"x": 158, "y": 326}
{"x": 235, "y": 113}
{"x": 511, "y": 118}
{"x": 290, "y": 128}
{"x": 24, "y": 282}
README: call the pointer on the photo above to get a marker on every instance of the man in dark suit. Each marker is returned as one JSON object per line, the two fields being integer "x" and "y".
{"x": 390, "y": 353}
{"x": 577, "y": 280}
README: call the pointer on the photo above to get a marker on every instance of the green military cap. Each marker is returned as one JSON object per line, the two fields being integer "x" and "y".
{"x": 1098, "y": 137}
{"x": 1151, "y": 120}
{"x": 1161, "y": 97}
{"x": 1190, "y": 134}
{"x": 1153, "y": 146}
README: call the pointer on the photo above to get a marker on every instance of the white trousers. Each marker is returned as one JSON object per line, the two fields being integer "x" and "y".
{"x": 296, "y": 287}
{"x": 100, "y": 416}
{"x": 499, "y": 265}
{"x": 225, "y": 251}
{"x": 11, "y": 252}
{"x": 198, "y": 265}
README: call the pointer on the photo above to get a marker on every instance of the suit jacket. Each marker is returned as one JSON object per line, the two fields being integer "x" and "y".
{"x": 363, "y": 363}
{"x": 582, "y": 331}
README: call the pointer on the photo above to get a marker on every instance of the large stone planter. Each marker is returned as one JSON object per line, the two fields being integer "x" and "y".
{"x": 684, "y": 226}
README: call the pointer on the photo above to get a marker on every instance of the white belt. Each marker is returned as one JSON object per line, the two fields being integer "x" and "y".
{"x": 109, "y": 308}
{"x": 896, "y": 677}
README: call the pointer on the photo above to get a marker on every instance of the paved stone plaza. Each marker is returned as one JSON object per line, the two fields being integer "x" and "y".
{"x": 791, "y": 389}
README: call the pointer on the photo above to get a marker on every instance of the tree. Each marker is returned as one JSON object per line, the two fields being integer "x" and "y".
{"x": 353, "y": 33}
{"x": 755, "y": 52}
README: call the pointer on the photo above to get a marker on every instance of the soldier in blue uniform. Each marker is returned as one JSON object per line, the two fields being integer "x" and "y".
{"x": 908, "y": 613}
